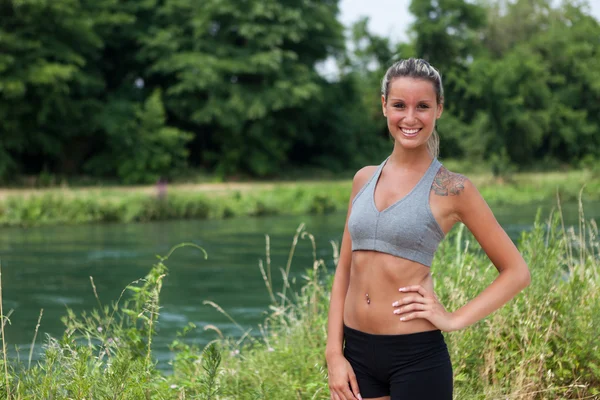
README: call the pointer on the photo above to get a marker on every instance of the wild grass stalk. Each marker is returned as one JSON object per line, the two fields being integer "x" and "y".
{"x": 37, "y": 327}
{"x": 286, "y": 273}
{"x": 2, "y": 321}
{"x": 266, "y": 274}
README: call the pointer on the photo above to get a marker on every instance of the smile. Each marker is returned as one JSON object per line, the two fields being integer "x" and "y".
{"x": 410, "y": 132}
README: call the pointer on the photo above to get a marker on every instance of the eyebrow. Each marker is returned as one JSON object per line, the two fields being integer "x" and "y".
{"x": 419, "y": 101}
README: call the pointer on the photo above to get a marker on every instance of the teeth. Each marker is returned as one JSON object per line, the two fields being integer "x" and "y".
{"x": 410, "y": 131}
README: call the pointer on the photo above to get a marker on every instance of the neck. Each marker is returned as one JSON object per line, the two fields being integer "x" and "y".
{"x": 412, "y": 158}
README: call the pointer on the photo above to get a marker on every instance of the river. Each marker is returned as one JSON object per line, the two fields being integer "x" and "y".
{"x": 50, "y": 268}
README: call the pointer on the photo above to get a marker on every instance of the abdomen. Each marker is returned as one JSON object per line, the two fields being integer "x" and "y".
{"x": 380, "y": 275}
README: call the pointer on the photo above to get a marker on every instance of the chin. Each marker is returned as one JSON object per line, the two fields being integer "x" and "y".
{"x": 410, "y": 144}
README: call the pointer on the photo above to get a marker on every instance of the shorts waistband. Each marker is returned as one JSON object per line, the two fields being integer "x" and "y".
{"x": 408, "y": 338}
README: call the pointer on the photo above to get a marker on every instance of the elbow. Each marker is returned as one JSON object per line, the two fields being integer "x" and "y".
{"x": 519, "y": 276}
{"x": 524, "y": 276}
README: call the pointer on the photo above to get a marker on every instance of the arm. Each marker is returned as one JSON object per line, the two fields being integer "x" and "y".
{"x": 471, "y": 209}
{"x": 513, "y": 276}
{"x": 341, "y": 281}
{"x": 342, "y": 381}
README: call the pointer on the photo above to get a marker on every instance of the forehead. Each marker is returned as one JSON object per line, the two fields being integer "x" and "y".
{"x": 412, "y": 88}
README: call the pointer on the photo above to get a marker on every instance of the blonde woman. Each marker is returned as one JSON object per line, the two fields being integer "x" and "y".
{"x": 385, "y": 322}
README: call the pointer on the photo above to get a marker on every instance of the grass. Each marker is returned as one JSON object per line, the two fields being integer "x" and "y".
{"x": 544, "y": 344}
{"x": 217, "y": 201}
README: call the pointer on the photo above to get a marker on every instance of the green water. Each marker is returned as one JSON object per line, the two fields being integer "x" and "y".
{"x": 50, "y": 268}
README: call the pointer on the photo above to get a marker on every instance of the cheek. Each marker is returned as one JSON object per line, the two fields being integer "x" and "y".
{"x": 393, "y": 121}
{"x": 432, "y": 117}
{"x": 394, "y": 115}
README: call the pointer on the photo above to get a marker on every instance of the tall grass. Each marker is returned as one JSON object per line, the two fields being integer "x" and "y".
{"x": 545, "y": 344}
{"x": 542, "y": 345}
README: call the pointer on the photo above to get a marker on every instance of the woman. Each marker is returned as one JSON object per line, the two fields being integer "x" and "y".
{"x": 385, "y": 322}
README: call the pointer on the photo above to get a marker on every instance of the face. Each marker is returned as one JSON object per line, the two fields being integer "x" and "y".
{"x": 411, "y": 110}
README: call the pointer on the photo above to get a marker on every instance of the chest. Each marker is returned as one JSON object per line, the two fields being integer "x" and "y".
{"x": 391, "y": 192}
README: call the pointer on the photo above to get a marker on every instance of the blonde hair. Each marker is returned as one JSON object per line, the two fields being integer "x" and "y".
{"x": 419, "y": 69}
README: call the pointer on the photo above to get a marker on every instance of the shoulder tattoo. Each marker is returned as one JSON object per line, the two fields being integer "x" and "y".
{"x": 447, "y": 183}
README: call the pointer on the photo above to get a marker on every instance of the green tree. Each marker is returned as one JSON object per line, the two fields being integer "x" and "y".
{"x": 515, "y": 100}
{"x": 571, "y": 49}
{"x": 140, "y": 147}
{"x": 446, "y": 33}
{"x": 241, "y": 74}
{"x": 357, "y": 132}
{"x": 48, "y": 81}
{"x": 70, "y": 91}
{"x": 535, "y": 88}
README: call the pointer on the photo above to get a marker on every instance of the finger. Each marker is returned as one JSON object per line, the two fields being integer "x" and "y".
{"x": 354, "y": 386}
{"x": 415, "y": 288}
{"x": 348, "y": 393}
{"x": 411, "y": 299}
{"x": 335, "y": 395}
{"x": 415, "y": 315}
{"x": 410, "y": 307}
{"x": 343, "y": 393}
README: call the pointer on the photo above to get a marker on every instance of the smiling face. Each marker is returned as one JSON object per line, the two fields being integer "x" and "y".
{"x": 411, "y": 109}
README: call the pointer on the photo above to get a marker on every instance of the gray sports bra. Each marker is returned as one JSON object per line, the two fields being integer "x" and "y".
{"x": 405, "y": 229}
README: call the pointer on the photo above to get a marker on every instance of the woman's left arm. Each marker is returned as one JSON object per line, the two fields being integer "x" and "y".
{"x": 473, "y": 211}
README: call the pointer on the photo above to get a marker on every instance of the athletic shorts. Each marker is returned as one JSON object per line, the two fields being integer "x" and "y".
{"x": 406, "y": 367}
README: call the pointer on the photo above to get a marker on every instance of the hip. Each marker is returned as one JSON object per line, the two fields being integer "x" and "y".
{"x": 421, "y": 350}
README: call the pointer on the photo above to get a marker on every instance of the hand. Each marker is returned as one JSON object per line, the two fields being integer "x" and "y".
{"x": 422, "y": 304}
{"x": 342, "y": 379}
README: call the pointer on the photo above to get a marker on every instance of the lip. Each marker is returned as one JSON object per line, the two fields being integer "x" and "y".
{"x": 412, "y": 132}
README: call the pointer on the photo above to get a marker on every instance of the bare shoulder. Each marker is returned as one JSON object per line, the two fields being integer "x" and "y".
{"x": 362, "y": 176}
{"x": 467, "y": 203}
{"x": 447, "y": 183}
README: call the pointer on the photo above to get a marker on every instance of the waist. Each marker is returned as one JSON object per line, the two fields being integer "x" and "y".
{"x": 381, "y": 320}
{"x": 374, "y": 282}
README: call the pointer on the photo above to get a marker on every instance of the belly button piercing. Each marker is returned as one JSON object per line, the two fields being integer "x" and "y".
{"x": 368, "y": 299}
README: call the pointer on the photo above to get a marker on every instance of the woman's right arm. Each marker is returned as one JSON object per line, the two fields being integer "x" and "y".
{"x": 342, "y": 381}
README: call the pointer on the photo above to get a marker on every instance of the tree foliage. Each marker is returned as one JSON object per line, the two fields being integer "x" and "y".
{"x": 519, "y": 77}
{"x": 244, "y": 72}
{"x": 137, "y": 89}
{"x": 49, "y": 86}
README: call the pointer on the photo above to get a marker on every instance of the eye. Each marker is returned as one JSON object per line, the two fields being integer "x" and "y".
{"x": 423, "y": 106}
{"x": 399, "y": 105}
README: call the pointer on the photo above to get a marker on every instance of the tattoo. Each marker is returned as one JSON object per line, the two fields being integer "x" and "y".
{"x": 447, "y": 183}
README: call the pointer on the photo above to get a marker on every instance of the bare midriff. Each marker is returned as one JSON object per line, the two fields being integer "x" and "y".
{"x": 374, "y": 282}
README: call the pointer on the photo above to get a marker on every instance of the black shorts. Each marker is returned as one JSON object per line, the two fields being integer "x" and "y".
{"x": 405, "y": 367}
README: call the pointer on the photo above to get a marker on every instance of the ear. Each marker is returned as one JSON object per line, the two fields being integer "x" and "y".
{"x": 383, "y": 106}
{"x": 440, "y": 110}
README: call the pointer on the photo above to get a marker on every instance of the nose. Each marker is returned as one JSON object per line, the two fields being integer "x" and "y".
{"x": 410, "y": 116}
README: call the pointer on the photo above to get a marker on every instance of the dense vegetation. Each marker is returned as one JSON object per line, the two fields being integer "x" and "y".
{"x": 98, "y": 205}
{"x": 540, "y": 346}
{"x": 136, "y": 90}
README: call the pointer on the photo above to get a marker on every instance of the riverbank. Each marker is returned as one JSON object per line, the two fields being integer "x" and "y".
{"x": 539, "y": 346}
{"x": 26, "y": 207}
